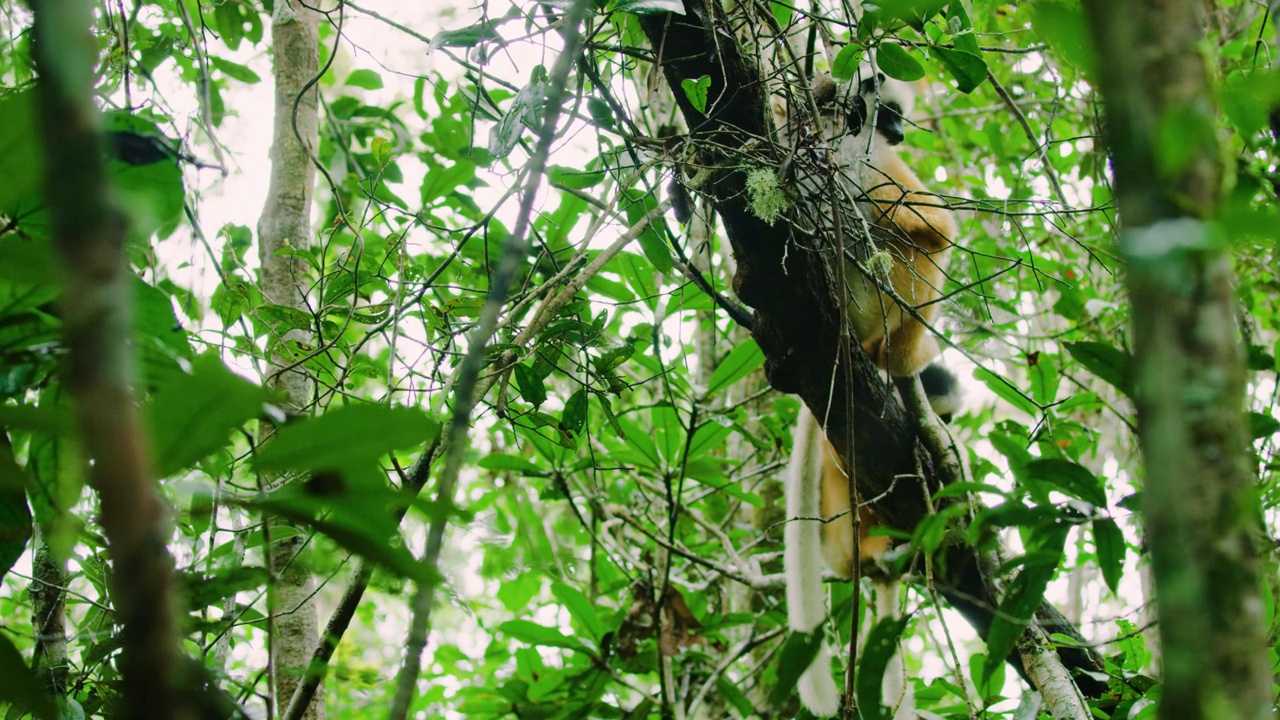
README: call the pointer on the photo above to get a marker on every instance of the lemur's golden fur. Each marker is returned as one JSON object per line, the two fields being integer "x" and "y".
{"x": 918, "y": 232}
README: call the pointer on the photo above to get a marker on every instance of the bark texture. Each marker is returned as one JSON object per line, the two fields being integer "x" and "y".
{"x": 89, "y": 232}
{"x": 782, "y": 273}
{"x": 1189, "y": 376}
{"x": 286, "y": 223}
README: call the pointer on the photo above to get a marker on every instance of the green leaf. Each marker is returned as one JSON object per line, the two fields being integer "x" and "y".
{"x": 364, "y": 78}
{"x": 696, "y": 91}
{"x": 235, "y": 71}
{"x": 650, "y": 7}
{"x": 21, "y": 162}
{"x": 845, "y": 66}
{"x": 15, "y": 514}
{"x": 897, "y": 63}
{"x": 530, "y": 385}
{"x": 881, "y": 643}
{"x": 1105, "y": 361}
{"x": 19, "y": 686}
{"x": 796, "y": 656}
{"x": 1109, "y": 541}
{"x": 1261, "y": 425}
{"x": 1023, "y": 597}
{"x": 283, "y": 318}
{"x": 346, "y": 436}
{"x": 579, "y": 607}
{"x": 737, "y": 365}
{"x": 1061, "y": 24}
{"x": 573, "y": 178}
{"x": 532, "y": 633}
{"x": 960, "y": 28}
{"x": 356, "y": 512}
{"x": 466, "y": 37}
{"x": 968, "y": 69}
{"x": 192, "y": 415}
{"x": 1006, "y": 391}
{"x": 502, "y": 461}
{"x": 735, "y": 697}
{"x": 574, "y": 417}
{"x": 782, "y": 13}
{"x": 23, "y": 260}
{"x": 1069, "y": 478}
{"x": 638, "y": 204}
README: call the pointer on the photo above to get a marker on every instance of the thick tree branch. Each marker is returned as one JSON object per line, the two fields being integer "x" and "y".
{"x": 89, "y": 232}
{"x": 784, "y": 277}
{"x": 1189, "y": 376}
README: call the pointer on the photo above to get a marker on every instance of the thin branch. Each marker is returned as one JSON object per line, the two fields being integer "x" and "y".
{"x": 468, "y": 372}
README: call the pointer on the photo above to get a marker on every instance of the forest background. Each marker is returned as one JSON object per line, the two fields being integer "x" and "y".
{"x": 451, "y": 413}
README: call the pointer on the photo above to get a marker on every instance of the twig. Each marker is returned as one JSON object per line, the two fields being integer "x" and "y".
{"x": 468, "y": 372}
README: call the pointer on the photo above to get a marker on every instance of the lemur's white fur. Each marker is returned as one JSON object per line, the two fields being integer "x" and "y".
{"x": 802, "y": 558}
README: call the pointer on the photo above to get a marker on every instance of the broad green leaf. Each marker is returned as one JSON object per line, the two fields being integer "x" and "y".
{"x": 880, "y": 646}
{"x": 575, "y": 179}
{"x": 1006, "y": 391}
{"x": 638, "y": 204}
{"x": 529, "y": 632}
{"x": 968, "y": 69}
{"x": 530, "y": 385}
{"x": 782, "y": 12}
{"x": 235, "y": 71}
{"x": 960, "y": 28}
{"x": 1069, "y": 478}
{"x": 345, "y": 436}
{"x": 582, "y": 609}
{"x": 192, "y": 415}
{"x": 845, "y": 66}
{"x": 1261, "y": 425}
{"x": 1061, "y": 24}
{"x": 502, "y": 461}
{"x": 1105, "y": 361}
{"x": 738, "y": 364}
{"x": 1022, "y": 598}
{"x": 19, "y": 687}
{"x": 15, "y": 514}
{"x": 364, "y": 78}
{"x": 574, "y": 417}
{"x": 896, "y": 62}
{"x": 696, "y": 91}
{"x": 796, "y": 656}
{"x": 21, "y": 162}
{"x": 1109, "y": 542}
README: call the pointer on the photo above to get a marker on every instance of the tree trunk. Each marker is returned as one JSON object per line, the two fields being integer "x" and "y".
{"x": 89, "y": 231}
{"x": 1188, "y": 376}
{"x": 286, "y": 223}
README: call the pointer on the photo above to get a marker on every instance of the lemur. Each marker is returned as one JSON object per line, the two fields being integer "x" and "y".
{"x": 918, "y": 233}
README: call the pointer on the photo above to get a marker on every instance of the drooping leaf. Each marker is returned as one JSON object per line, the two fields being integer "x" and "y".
{"x": 1109, "y": 542}
{"x": 968, "y": 69}
{"x": 896, "y": 62}
{"x": 881, "y": 644}
{"x": 1070, "y": 478}
{"x": 796, "y": 656}
{"x": 345, "y": 436}
{"x": 19, "y": 686}
{"x": 845, "y": 66}
{"x": 738, "y": 364}
{"x": 193, "y": 414}
{"x": 579, "y": 607}
{"x": 1106, "y": 361}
